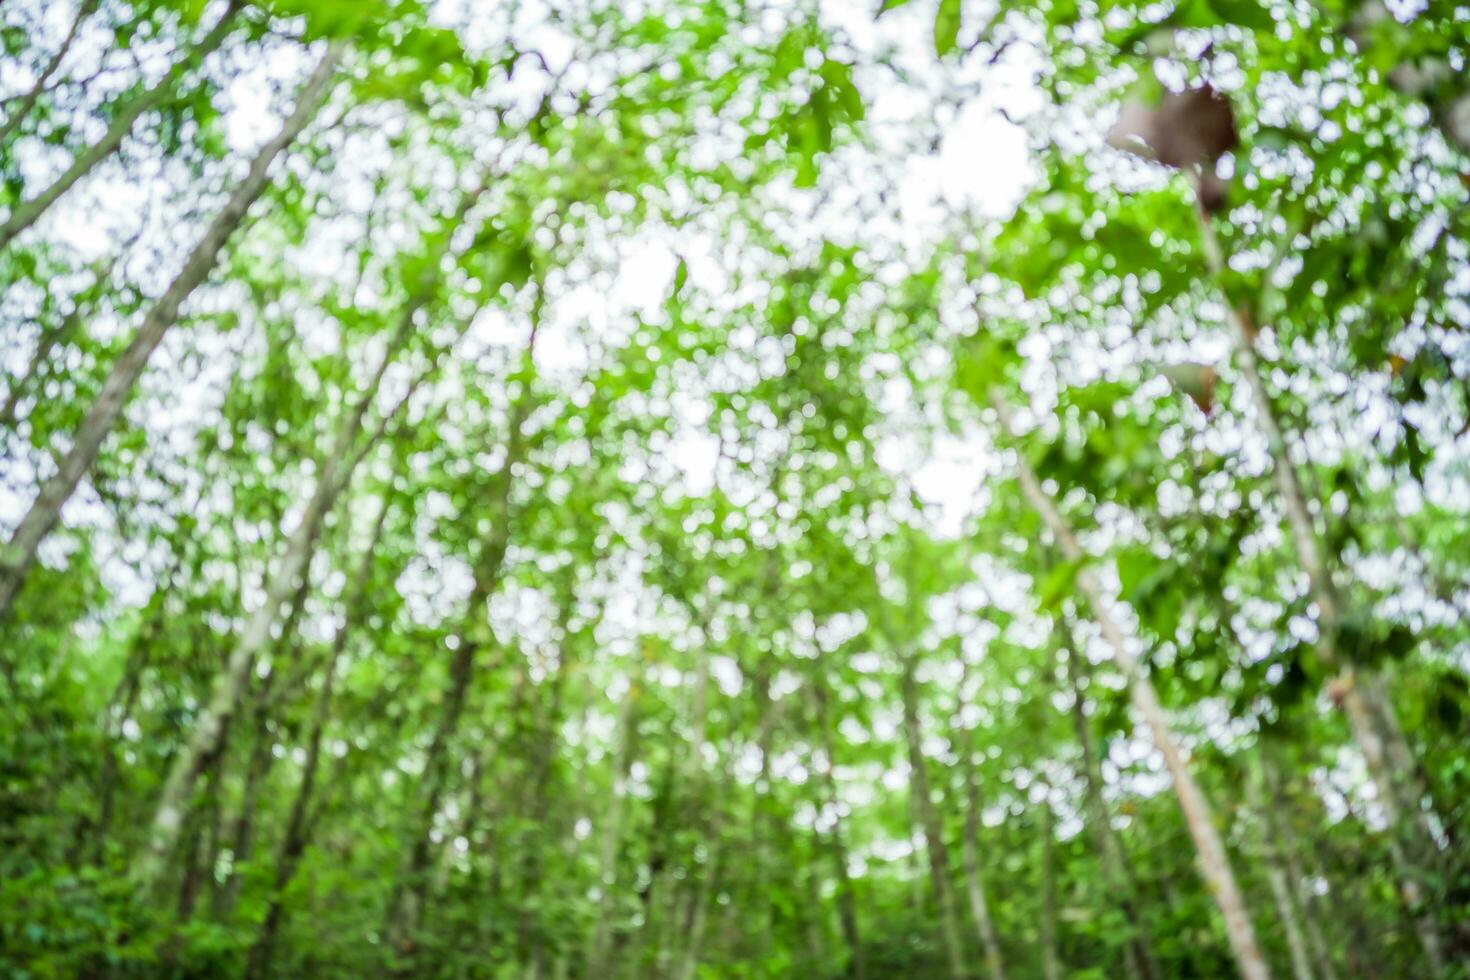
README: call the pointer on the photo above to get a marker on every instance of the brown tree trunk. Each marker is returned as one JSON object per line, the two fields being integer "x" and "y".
{"x": 293, "y": 843}
{"x": 1277, "y": 824}
{"x": 1275, "y": 871}
{"x": 241, "y": 835}
{"x": 405, "y": 905}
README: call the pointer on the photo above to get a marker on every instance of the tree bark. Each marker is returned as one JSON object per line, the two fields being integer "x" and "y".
{"x": 1117, "y": 873}
{"x": 335, "y": 472}
{"x": 1274, "y": 868}
{"x": 970, "y": 857}
{"x": 847, "y": 916}
{"x": 297, "y": 835}
{"x": 241, "y": 835}
{"x": 1051, "y": 962}
{"x": 30, "y": 211}
{"x": 405, "y": 904}
{"x": 930, "y": 824}
{"x": 1374, "y": 723}
{"x": 45, "y": 511}
{"x": 1275, "y": 813}
{"x": 1214, "y": 862}
{"x": 598, "y": 948}
{"x": 531, "y": 926}
{"x": 119, "y": 707}
{"x": 699, "y": 919}
{"x": 28, "y": 101}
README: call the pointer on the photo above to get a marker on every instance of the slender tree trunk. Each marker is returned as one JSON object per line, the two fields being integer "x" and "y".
{"x": 930, "y": 823}
{"x": 1051, "y": 962}
{"x": 28, "y": 212}
{"x": 44, "y": 345}
{"x": 27, "y": 102}
{"x": 242, "y": 829}
{"x": 107, "y": 408}
{"x": 1214, "y": 862}
{"x": 970, "y": 856}
{"x": 1273, "y": 866}
{"x": 531, "y": 924}
{"x": 763, "y": 824}
{"x": 198, "y": 857}
{"x": 335, "y": 472}
{"x": 405, "y": 905}
{"x": 1371, "y": 715}
{"x": 293, "y": 843}
{"x": 1277, "y": 829}
{"x": 119, "y": 707}
{"x": 598, "y": 950}
{"x": 816, "y": 932}
{"x": 1122, "y": 884}
{"x": 405, "y": 902}
{"x": 847, "y": 915}
{"x": 698, "y": 920}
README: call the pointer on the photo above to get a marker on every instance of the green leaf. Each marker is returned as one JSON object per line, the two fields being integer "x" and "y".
{"x": 1059, "y": 583}
{"x": 947, "y": 27}
{"x": 1244, "y": 13}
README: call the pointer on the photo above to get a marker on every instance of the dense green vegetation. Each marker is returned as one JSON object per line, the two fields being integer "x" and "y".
{"x": 552, "y": 489}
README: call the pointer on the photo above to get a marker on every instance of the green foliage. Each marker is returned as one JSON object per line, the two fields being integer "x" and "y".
{"x": 625, "y": 376}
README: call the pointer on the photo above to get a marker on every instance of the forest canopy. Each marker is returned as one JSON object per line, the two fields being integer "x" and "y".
{"x": 687, "y": 489}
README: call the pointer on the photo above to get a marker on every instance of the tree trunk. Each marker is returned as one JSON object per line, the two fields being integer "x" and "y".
{"x": 970, "y": 856}
{"x": 531, "y": 925}
{"x": 297, "y": 833}
{"x": 846, "y": 896}
{"x": 763, "y": 829}
{"x": 107, "y": 408}
{"x": 1272, "y": 865}
{"x": 28, "y": 101}
{"x": 816, "y": 932}
{"x": 598, "y": 964}
{"x": 198, "y": 857}
{"x": 1371, "y": 715}
{"x": 335, "y": 472}
{"x": 1214, "y": 862}
{"x": 293, "y": 843}
{"x": 1278, "y": 829}
{"x": 405, "y": 905}
{"x": 242, "y": 829}
{"x": 1117, "y": 873}
{"x": 29, "y": 212}
{"x": 119, "y": 707}
{"x": 698, "y": 919}
{"x": 930, "y": 824}
{"x": 1051, "y": 962}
